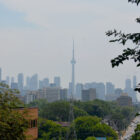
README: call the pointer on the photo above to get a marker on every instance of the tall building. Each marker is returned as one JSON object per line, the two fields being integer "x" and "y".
{"x": 79, "y": 88}
{"x": 12, "y": 80}
{"x": 20, "y": 81}
{"x": 129, "y": 89}
{"x": 118, "y": 91}
{"x": 110, "y": 88}
{"x": 128, "y": 84}
{"x": 41, "y": 84}
{"x": 46, "y": 82}
{"x": 73, "y": 62}
{"x": 7, "y": 80}
{"x": 100, "y": 91}
{"x": 134, "y": 82}
{"x": 57, "y": 81}
{"x": 33, "y": 82}
{"x": 27, "y": 82}
{"x": 89, "y": 94}
{"x": 70, "y": 90}
{"x": 0, "y": 74}
{"x": 63, "y": 94}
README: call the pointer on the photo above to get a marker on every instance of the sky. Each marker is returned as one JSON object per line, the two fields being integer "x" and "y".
{"x": 36, "y": 37}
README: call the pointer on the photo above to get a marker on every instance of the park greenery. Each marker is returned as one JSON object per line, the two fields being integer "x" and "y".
{"x": 85, "y": 126}
{"x": 12, "y": 123}
{"x": 93, "y": 118}
{"x": 117, "y": 116}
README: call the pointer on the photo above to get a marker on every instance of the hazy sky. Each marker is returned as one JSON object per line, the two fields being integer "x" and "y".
{"x": 36, "y": 37}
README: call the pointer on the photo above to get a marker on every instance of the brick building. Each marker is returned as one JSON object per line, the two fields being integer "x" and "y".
{"x": 32, "y": 116}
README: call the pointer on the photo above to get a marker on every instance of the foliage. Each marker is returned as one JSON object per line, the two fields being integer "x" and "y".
{"x": 91, "y": 138}
{"x": 128, "y": 53}
{"x": 59, "y": 111}
{"x": 91, "y": 126}
{"x": 96, "y": 108}
{"x": 134, "y": 1}
{"x": 12, "y": 123}
{"x": 49, "y": 130}
{"x": 136, "y": 136}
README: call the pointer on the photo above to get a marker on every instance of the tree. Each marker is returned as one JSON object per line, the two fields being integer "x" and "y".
{"x": 49, "y": 130}
{"x": 87, "y": 126}
{"x": 12, "y": 123}
{"x": 91, "y": 138}
{"x": 129, "y": 53}
{"x": 136, "y": 136}
{"x": 57, "y": 111}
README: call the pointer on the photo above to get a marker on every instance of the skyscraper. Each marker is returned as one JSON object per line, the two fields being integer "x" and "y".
{"x": 7, "y": 80}
{"x": 134, "y": 82}
{"x": 20, "y": 81}
{"x": 110, "y": 88}
{"x": 73, "y": 62}
{"x": 57, "y": 81}
{"x": 46, "y": 82}
{"x": 28, "y": 82}
{"x": 34, "y": 82}
{"x": 79, "y": 88}
{"x": 127, "y": 83}
{"x": 12, "y": 79}
{"x": 128, "y": 89}
{"x": 0, "y": 74}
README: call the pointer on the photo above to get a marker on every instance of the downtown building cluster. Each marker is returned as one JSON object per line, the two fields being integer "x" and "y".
{"x": 35, "y": 89}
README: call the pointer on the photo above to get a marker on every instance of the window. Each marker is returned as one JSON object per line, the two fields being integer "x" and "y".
{"x": 33, "y": 123}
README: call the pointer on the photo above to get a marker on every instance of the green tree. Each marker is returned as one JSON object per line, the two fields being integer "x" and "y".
{"x": 136, "y": 136}
{"x": 91, "y": 126}
{"x": 49, "y": 130}
{"x": 12, "y": 123}
{"x": 128, "y": 53}
{"x": 91, "y": 138}
{"x": 57, "y": 111}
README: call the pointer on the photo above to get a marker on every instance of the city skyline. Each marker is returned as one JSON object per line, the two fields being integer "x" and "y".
{"x": 57, "y": 80}
{"x": 33, "y": 42}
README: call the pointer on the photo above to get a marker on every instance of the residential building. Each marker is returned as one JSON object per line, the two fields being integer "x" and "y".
{"x": 32, "y": 117}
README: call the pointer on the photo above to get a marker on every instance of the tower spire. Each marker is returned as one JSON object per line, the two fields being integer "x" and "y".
{"x": 73, "y": 62}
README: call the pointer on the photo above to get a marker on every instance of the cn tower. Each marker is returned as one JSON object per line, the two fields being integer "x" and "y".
{"x": 73, "y": 62}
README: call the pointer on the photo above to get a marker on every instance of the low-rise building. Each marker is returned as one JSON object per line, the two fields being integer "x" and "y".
{"x": 32, "y": 116}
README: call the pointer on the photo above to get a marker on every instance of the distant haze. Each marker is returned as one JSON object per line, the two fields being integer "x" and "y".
{"x": 36, "y": 37}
